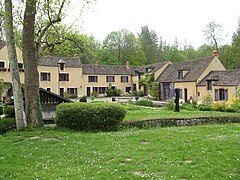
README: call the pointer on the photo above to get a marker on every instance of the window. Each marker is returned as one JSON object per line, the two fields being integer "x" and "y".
{"x": 221, "y": 94}
{"x": 72, "y": 91}
{"x": 92, "y": 79}
{"x": 2, "y": 64}
{"x": 45, "y": 76}
{"x": 61, "y": 66}
{"x": 63, "y": 77}
{"x": 20, "y": 65}
{"x": 209, "y": 85}
{"x": 124, "y": 78}
{"x": 128, "y": 89}
{"x": 49, "y": 89}
{"x": 180, "y": 75}
{"x": 102, "y": 90}
{"x": 110, "y": 79}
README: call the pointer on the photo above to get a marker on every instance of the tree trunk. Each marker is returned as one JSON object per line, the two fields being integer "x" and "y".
{"x": 32, "y": 98}
{"x": 17, "y": 90}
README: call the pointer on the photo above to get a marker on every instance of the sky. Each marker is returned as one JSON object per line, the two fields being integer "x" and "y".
{"x": 184, "y": 19}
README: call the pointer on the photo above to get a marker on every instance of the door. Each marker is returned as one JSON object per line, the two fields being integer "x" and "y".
{"x": 88, "y": 91}
{"x": 185, "y": 95}
{"x": 62, "y": 92}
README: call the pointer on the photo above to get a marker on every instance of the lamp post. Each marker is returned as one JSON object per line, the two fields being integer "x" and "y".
{"x": 60, "y": 65}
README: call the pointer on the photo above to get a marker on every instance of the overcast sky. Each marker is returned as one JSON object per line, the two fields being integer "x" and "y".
{"x": 184, "y": 19}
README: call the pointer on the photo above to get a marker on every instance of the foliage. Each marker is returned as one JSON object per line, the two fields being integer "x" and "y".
{"x": 68, "y": 95}
{"x": 118, "y": 92}
{"x": 170, "y": 104}
{"x": 148, "y": 103}
{"x": 2, "y": 86}
{"x": 83, "y": 99}
{"x": 189, "y": 106}
{"x": 9, "y": 111}
{"x": 219, "y": 106}
{"x": 1, "y": 109}
{"x": 90, "y": 116}
{"x": 207, "y": 100}
{"x": 203, "y": 107}
{"x": 94, "y": 94}
{"x": 6, "y": 124}
{"x": 154, "y": 91}
{"x": 140, "y": 93}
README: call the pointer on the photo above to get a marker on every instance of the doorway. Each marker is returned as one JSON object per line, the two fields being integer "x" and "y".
{"x": 185, "y": 95}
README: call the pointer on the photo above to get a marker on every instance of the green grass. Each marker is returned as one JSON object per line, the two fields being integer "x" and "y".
{"x": 135, "y": 113}
{"x": 197, "y": 152}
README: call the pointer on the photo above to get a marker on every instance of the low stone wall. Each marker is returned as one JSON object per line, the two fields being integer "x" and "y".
{"x": 181, "y": 122}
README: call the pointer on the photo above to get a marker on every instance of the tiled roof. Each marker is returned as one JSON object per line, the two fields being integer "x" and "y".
{"x": 2, "y": 44}
{"x": 52, "y": 61}
{"x": 107, "y": 69}
{"x": 194, "y": 67}
{"x": 223, "y": 78}
{"x": 155, "y": 67}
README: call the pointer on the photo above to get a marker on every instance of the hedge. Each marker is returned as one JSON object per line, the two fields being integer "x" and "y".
{"x": 7, "y": 124}
{"x": 90, "y": 116}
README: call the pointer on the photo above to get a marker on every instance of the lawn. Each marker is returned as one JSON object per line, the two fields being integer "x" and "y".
{"x": 196, "y": 152}
{"x": 135, "y": 113}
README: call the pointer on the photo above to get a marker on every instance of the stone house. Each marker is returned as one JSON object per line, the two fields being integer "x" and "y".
{"x": 185, "y": 76}
{"x": 221, "y": 85}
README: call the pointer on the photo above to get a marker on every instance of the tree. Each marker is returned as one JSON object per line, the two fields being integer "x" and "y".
{"x": 235, "y": 48}
{"x": 212, "y": 33}
{"x": 1, "y": 21}
{"x": 32, "y": 98}
{"x": 149, "y": 44}
{"x": 123, "y": 47}
{"x": 17, "y": 90}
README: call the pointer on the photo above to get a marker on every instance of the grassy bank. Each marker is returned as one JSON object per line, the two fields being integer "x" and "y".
{"x": 198, "y": 152}
{"x": 144, "y": 113}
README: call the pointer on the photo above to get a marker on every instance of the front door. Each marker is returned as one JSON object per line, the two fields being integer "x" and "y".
{"x": 62, "y": 92}
{"x": 88, "y": 91}
{"x": 185, "y": 95}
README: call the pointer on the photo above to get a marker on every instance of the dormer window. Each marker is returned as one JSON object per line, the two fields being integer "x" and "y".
{"x": 180, "y": 75}
{"x": 61, "y": 66}
{"x": 20, "y": 66}
{"x": 209, "y": 85}
{"x": 2, "y": 64}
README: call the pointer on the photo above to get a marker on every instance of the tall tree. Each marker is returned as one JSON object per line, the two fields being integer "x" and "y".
{"x": 149, "y": 44}
{"x": 236, "y": 48}
{"x": 32, "y": 98}
{"x": 1, "y": 21}
{"x": 212, "y": 33}
{"x": 17, "y": 90}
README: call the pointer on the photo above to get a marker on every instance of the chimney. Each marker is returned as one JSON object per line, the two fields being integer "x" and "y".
{"x": 127, "y": 65}
{"x": 97, "y": 62}
{"x": 215, "y": 53}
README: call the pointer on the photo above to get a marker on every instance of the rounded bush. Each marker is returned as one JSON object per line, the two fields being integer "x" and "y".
{"x": 90, "y": 116}
{"x": 145, "y": 103}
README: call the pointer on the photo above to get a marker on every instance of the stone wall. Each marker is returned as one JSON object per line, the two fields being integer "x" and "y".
{"x": 181, "y": 122}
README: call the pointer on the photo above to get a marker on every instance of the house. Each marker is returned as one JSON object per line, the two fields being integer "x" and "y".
{"x": 61, "y": 75}
{"x": 5, "y": 65}
{"x": 221, "y": 85}
{"x": 185, "y": 76}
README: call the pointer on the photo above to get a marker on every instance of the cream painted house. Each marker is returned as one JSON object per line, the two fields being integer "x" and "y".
{"x": 5, "y": 74}
{"x": 185, "y": 76}
{"x": 221, "y": 85}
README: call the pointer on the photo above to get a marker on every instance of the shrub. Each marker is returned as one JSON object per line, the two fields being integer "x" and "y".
{"x": 83, "y": 99}
{"x": 145, "y": 103}
{"x": 188, "y": 106}
{"x": 230, "y": 109}
{"x": 207, "y": 100}
{"x": 7, "y": 124}
{"x": 90, "y": 116}
{"x": 135, "y": 93}
{"x": 140, "y": 93}
{"x": 204, "y": 107}
{"x": 219, "y": 106}
{"x": 94, "y": 94}
{"x": 109, "y": 92}
{"x": 1, "y": 110}
{"x": 118, "y": 92}
{"x": 9, "y": 111}
{"x": 170, "y": 104}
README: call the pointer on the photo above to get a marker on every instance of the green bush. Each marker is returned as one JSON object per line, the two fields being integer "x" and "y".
{"x": 145, "y": 103}
{"x": 83, "y": 99}
{"x": 207, "y": 100}
{"x": 7, "y": 124}
{"x": 230, "y": 109}
{"x": 140, "y": 93}
{"x": 1, "y": 110}
{"x": 90, "y": 116}
{"x": 9, "y": 111}
{"x": 203, "y": 107}
{"x": 188, "y": 106}
{"x": 118, "y": 92}
{"x": 170, "y": 104}
{"x": 219, "y": 106}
